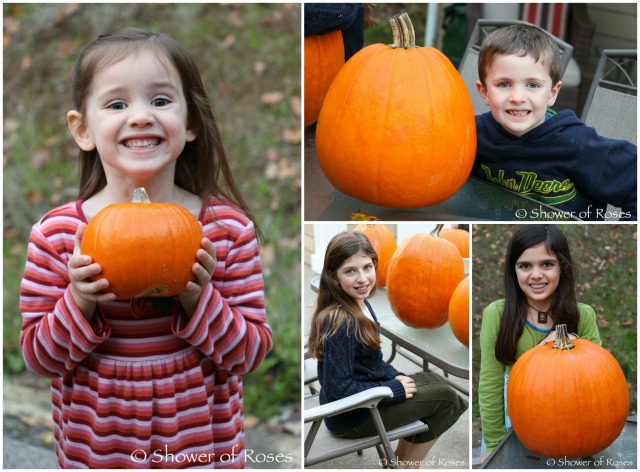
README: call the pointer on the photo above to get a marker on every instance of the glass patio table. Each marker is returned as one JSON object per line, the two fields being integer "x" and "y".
{"x": 476, "y": 200}
{"x": 422, "y": 346}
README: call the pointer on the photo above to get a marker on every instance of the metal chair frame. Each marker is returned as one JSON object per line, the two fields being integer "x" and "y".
{"x": 340, "y": 446}
{"x": 613, "y": 63}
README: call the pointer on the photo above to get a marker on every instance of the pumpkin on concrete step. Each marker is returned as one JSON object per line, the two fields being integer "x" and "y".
{"x": 145, "y": 249}
{"x": 397, "y": 127}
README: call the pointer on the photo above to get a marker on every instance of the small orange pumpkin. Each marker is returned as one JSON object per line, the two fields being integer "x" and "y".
{"x": 384, "y": 244}
{"x": 459, "y": 237}
{"x": 423, "y": 273}
{"x": 397, "y": 127}
{"x": 323, "y": 58}
{"x": 459, "y": 312}
{"x": 145, "y": 249}
{"x": 568, "y": 398}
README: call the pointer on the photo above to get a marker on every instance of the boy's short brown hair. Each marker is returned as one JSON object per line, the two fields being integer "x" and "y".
{"x": 520, "y": 40}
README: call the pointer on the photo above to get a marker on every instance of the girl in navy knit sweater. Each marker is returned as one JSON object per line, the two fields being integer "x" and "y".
{"x": 344, "y": 339}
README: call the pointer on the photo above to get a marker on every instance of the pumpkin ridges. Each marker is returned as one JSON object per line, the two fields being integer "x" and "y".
{"x": 324, "y": 57}
{"x": 459, "y": 312}
{"x": 423, "y": 273}
{"x": 587, "y": 393}
{"x": 389, "y": 181}
{"x": 459, "y": 237}
{"x": 135, "y": 266}
{"x": 384, "y": 244}
{"x": 578, "y": 392}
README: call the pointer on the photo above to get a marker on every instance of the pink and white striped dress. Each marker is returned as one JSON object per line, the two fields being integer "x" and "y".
{"x": 157, "y": 391}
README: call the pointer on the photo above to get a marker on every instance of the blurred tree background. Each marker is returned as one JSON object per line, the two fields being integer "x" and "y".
{"x": 605, "y": 260}
{"x": 249, "y": 58}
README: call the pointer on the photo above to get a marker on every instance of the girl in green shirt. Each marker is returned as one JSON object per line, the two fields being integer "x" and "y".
{"x": 539, "y": 285}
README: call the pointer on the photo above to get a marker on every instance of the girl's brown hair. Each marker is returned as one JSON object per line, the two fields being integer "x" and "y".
{"x": 564, "y": 307}
{"x": 202, "y": 168}
{"x": 334, "y": 308}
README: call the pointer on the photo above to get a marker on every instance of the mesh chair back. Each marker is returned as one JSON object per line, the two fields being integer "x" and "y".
{"x": 614, "y": 114}
{"x": 468, "y": 68}
{"x": 611, "y": 106}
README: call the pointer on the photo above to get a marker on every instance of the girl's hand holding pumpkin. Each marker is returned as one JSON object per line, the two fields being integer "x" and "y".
{"x": 86, "y": 293}
{"x": 203, "y": 270}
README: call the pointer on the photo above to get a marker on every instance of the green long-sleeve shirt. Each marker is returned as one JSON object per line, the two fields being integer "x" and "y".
{"x": 491, "y": 398}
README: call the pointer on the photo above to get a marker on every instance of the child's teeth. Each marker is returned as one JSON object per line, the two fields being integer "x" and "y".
{"x": 141, "y": 143}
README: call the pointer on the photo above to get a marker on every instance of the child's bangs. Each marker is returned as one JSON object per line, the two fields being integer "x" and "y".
{"x": 111, "y": 54}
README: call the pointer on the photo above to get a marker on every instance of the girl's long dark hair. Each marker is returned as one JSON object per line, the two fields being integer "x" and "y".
{"x": 202, "y": 168}
{"x": 334, "y": 308}
{"x": 564, "y": 307}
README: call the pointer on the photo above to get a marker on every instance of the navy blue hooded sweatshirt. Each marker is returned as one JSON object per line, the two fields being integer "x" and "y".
{"x": 562, "y": 163}
{"x": 323, "y": 18}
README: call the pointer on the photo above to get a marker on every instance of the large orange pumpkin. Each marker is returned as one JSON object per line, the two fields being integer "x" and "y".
{"x": 397, "y": 126}
{"x": 568, "y": 399}
{"x": 423, "y": 273}
{"x": 323, "y": 58}
{"x": 459, "y": 312}
{"x": 145, "y": 249}
{"x": 384, "y": 244}
{"x": 459, "y": 237}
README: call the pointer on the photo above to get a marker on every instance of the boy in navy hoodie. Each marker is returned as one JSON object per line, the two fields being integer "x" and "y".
{"x": 553, "y": 158}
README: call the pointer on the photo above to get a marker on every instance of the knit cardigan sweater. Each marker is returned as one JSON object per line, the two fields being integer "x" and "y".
{"x": 348, "y": 367}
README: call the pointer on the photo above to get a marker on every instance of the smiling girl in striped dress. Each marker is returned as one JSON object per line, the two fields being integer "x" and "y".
{"x": 161, "y": 387}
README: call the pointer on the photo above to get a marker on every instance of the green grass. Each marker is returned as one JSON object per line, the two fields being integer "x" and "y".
{"x": 243, "y": 52}
{"x": 606, "y": 261}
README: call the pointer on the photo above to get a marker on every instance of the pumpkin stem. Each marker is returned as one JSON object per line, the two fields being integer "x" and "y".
{"x": 140, "y": 195}
{"x": 403, "y": 33}
{"x": 436, "y": 231}
{"x": 562, "y": 338}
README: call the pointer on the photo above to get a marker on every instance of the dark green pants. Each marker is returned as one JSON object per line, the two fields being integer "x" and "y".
{"x": 435, "y": 403}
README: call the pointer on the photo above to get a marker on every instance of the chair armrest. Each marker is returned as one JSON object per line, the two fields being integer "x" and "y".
{"x": 365, "y": 399}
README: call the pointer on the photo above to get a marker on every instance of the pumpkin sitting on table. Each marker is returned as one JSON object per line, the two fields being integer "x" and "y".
{"x": 384, "y": 244}
{"x": 145, "y": 249}
{"x": 459, "y": 312}
{"x": 459, "y": 237}
{"x": 323, "y": 58}
{"x": 397, "y": 127}
{"x": 423, "y": 273}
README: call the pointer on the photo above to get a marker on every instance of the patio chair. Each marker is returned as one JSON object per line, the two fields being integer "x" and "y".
{"x": 310, "y": 375}
{"x": 321, "y": 445}
{"x": 611, "y": 106}
{"x": 469, "y": 64}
